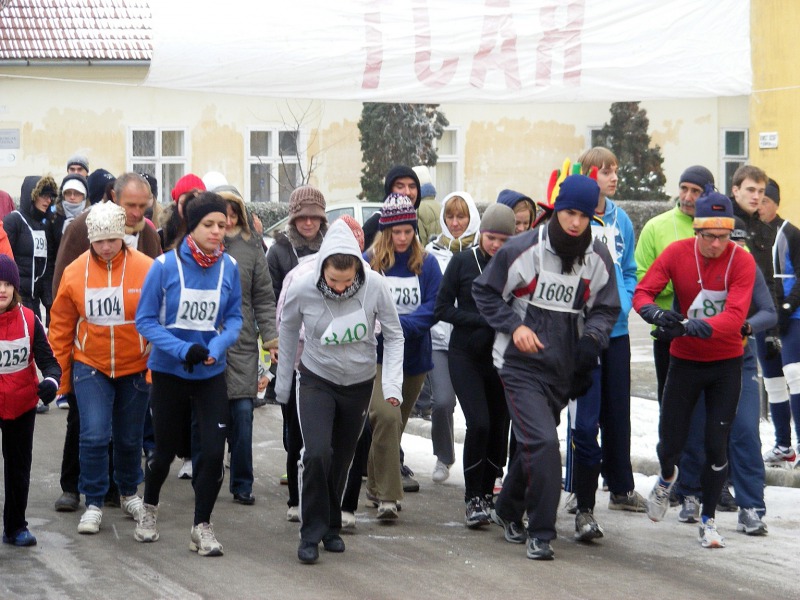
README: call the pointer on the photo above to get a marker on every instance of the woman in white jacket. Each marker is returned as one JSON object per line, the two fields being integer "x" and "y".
{"x": 338, "y": 304}
{"x": 459, "y": 220}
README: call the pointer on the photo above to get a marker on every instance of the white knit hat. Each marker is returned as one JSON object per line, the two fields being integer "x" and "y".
{"x": 106, "y": 221}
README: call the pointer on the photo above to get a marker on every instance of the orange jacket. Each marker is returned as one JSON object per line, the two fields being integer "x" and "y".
{"x": 115, "y": 350}
{"x": 5, "y": 245}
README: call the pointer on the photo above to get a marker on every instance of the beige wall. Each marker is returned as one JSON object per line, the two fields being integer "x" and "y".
{"x": 513, "y": 146}
{"x": 776, "y": 96}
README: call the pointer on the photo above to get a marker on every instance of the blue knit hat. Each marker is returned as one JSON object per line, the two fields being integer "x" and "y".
{"x": 397, "y": 210}
{"x": 713, "y": 210}
{"x": 578, "y": 192}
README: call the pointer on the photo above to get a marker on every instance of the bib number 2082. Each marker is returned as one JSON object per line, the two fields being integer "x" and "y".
{"x": 198, "y": 311}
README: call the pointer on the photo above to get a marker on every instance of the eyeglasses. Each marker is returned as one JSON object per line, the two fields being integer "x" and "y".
{"x": 710, "y": 237}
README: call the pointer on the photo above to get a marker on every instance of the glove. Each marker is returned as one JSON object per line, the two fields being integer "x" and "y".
{"x": 47, "y": 390}
{"x": 195, "y": 355}
{"x": 773, "y": 348}
{"x": 784, "y": 315}
{"x": 581, "y": 384}
{"x": 697, "y": 328}
{"x": 658, "y": 316}
{"x": 587, "y": 355}
{"x": 667, "y": 334}
{"x": 747, "y": 330}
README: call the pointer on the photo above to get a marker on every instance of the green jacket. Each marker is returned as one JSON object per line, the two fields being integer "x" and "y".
{"x": 658, "y": 233}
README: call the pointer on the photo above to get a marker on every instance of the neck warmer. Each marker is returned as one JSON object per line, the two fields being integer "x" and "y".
{"x": 73, "y": 210}
{"x": 200, "y": 257}
{"x": 349, "y": 292}
{"x": 298, "y": 241}
{"x": 568, "y": 247}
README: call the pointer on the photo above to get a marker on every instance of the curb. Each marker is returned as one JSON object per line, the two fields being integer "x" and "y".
{"x": 781, "y": 477}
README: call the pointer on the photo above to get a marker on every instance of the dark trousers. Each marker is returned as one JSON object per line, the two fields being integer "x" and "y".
{"x": 661, "y": 360}
{"x": 480, "y": 393}
{"x": 358, "y": 470}
{"x": 331, "y": 418}
{"x": 292, "y": 443}
{"x": 175, "y": 402}
{"x": 17, "y": 455}
{"x": 721, "y": 383}
{"x": 533, "y": 483}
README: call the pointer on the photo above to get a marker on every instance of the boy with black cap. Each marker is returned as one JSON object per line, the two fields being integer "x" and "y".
{"x": 551, "y": 296}
{"x": 715, "y": 297}
{"x": 399, "y": 180}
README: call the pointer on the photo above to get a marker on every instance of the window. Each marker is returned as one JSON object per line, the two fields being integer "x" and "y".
{"x": 162, "y": 153}
{"x": 273, "y": 157}
{"x": 734, "y": 155}
{"x": 447, "y": 172}
{"x": 595, "y": 138}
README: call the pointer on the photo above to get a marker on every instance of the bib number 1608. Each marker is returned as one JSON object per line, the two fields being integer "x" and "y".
{"x": 555, "y": 292}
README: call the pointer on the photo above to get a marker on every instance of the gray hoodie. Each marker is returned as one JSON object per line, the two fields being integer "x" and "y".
{"x": 342, "y": 364}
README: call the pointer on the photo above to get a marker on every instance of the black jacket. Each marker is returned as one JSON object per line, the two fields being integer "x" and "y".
{"x": 455, "y": 305}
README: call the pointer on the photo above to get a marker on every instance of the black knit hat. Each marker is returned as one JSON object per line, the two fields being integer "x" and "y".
{"x": 99, "y": 180}
{"x": 698, "y": 175}
{"x": 397, "y": 172}
{"x": 773, "y": 191}
{"x": 205, "y": 204}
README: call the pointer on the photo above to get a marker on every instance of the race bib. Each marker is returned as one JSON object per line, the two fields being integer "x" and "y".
{"x": 406, "y": 293}
{"x": 39, "y": 244}
{"x": 104, "y": 306}
{"x": 346, "y": 329}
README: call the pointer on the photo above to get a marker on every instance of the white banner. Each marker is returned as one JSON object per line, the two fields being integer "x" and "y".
{"x": 454, "y": 50}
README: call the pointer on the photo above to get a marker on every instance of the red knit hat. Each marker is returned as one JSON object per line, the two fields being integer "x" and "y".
{"x": 354, "y": 226}
{"x": 187, "y": 183}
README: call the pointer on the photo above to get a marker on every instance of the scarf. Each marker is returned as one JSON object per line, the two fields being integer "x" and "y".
{"x": 200, "y": 257}
{"x": 135, "y": 229}
{"x": 73, "y": 210}
{"x": 455, "y": 245}
{"x": 568, "y": 247}
{"x": 349, "y": 292}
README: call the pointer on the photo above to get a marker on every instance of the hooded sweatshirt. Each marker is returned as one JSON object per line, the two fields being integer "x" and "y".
{"x": 443, "y": 249}
{"x": 343, "y": 363}
{"x": 396, "y": 172}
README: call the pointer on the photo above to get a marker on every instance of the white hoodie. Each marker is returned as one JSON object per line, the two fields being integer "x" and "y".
{"x": 343, "y": 364}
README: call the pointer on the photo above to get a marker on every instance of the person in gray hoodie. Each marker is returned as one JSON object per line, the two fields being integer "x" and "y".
{"x": 338, "y": 303}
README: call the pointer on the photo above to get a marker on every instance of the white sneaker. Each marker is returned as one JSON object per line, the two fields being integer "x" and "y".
{"x": 387, "y": 510}
{"x": 293, "y": 514}
{"x": 186, "y": 469}
{"x": 133, "y": 506}
{"x": 658, "y": 501}
{"x": 440, "y": 472}
{"x": 709, "y": 536}
{"x": 90, "y": 520}
{"x": 146, "y": 528}
{"x": 61, "y": 402}
{"x": 498, "y": 486}
{"x": 348, "y": 520}
{"x": 203, "y": 540}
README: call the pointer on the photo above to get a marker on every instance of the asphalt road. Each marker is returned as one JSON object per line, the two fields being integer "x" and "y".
{"x": 428, "y": 553}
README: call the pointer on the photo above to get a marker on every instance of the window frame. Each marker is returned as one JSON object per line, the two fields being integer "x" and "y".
{"x": 726, "y": 159}
{"x": 457, "y": 160}
{"x": 158, "y": 160}
{"x": 273, "y": 159}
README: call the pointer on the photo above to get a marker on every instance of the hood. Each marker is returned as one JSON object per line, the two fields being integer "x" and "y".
{"x": 338, "y": 240}
{"x": 401, "y": 171}
{"x": 59, "y": 203}
{"x": 25, "y": 200}
{"x": 244, "y": 226}
{"x": 474, "y": 216}
{"x": 510, "y": 198}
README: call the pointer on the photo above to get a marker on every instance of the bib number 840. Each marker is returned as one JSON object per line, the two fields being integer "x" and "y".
{"x": 350, "y": 335}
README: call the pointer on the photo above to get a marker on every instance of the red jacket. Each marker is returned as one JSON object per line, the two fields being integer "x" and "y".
{"x": 18, "y": 392}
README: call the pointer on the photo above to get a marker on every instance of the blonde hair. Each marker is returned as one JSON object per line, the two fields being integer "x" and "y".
{"x": 457, "y": 205}
{"x": 381, "y": 253}
{"x": 597, "y": 157}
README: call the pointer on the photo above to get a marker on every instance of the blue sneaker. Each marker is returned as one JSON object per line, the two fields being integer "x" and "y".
{"x": 21, "y": 538}
{"x": 61, "y": 402}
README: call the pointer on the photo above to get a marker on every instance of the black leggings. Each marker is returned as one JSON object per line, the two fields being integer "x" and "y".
{"x": 721, "y": 382}
{"x": 480, "y": 393}
{"x": 175, "y": 401}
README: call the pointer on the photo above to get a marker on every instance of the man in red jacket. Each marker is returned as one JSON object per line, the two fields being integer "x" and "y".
{"x": 713, "y": 281}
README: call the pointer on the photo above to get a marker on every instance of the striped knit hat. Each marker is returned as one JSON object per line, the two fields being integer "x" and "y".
{"x": 397, "y": 210}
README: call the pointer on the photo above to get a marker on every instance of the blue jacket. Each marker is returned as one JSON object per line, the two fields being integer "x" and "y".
{"x": 624, "y": 262}
{"x": 418, "y": 350}
{"x": 159, "y": 305}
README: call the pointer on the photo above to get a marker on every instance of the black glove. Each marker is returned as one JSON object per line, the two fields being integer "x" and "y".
{"x": 195, "y": 355}
{"x": 747, "y": 330}
{"x": 47, "y": 390}
{"x": 667, "y": 334}
{"x": 697, "y": 328}
{"x": 784, "y": 315}
{"x": 658, "y": 316}
{"x": 773, "y": 347}
{"x": 581, "y": 384}
{"x": 587, "y": 355}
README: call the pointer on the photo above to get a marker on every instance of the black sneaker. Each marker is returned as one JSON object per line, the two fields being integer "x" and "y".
{"x": 539, "y": 549}
{"x": 476, "y": 513}
{"x": 586, "y": 527}
{"x": 308, "y": 552}
{"x": 514, "y": 531}
{"x": 727, "y": 503}
{"x": 332, "y": 542}
{"x": 409, "y": 483}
